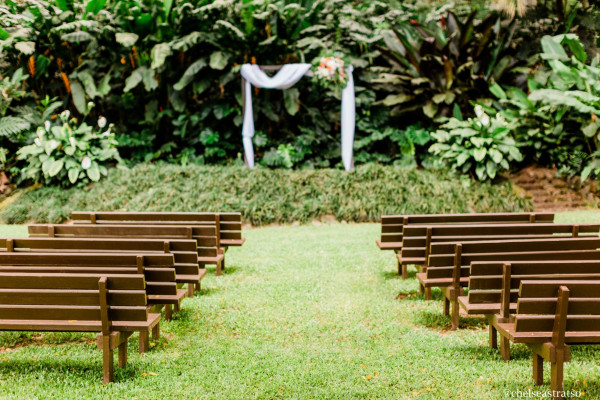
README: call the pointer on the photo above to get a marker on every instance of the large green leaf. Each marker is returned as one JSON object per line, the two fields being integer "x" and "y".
{"x": 55, "y": 168}
{"x": 78, "y": 97}
{"x": 3, "y": 34}
{"x": 73, "y": 175}
{"x": 127, "y": 39}
{"x": 479, "y": 154}
{"x": 64, "y": 5}
{"x": 395, "y": 99}
{"x": 134, "y": 79}
{"x": 553, "y": 50}
{"x": 160, "y": 52}
{"x": 93, "y": 172}
{"x": 218, "y": 60}
{"x": 25, "y": 47}
{"x": 94, "y": 6}
{"x": 290, "y": 98}
{"x": 190, "y": 73}
{"x": 167, "y": 5}
{"x": 88, "y": 83}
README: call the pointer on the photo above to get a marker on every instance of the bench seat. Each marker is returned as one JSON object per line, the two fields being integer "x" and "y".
{"x": 232, "y": 242}
{"x": 572, "y": 337}
{"x": 389, "y": 245}
{"x": 481, "y": 308}
{"x": 439, "y": 282}
{"x": 48, "y": 325}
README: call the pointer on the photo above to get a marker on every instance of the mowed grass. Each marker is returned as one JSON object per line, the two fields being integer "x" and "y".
{"x": 302, "y": 312}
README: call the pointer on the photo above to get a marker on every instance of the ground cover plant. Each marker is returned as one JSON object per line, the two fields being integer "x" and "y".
{"x": 302, "y": 312}
{"x": 265, "y": 196}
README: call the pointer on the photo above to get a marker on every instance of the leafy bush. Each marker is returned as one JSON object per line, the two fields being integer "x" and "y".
{"x": 65, "y": 153}
{"x": 265, "y": 196}
{"x": 441, "y": 61}
{"x": 557, "y": 121}
{"x": 167, "y": 73}
{"x": 481, "y": 145}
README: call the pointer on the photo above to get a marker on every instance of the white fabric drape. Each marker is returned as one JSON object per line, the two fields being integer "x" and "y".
{"x": 285, "y": 78}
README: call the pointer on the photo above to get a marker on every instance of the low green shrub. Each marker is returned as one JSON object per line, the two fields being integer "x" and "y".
{"x": 481, "y": 146}
{"x": 265, "y": 196}
{"x": 66, "y": 152}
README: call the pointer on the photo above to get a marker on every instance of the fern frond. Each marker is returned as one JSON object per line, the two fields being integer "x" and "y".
{"x": 10, "y": 126}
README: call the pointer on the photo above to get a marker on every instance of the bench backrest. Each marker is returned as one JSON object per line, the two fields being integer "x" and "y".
{"x": 418, "y": 238}
{"x": 72, "y": 298}
{"x": 158, "y": 269}
{"x": 490, "y": 281}
{"x": 559, "y": 307}
{"x": 184, "y": 251}
{"x": 439, "y": 249}
{"x": 205, "y": 236}
{"x": 392, "y": 225}
{"x": 229, "y": 225}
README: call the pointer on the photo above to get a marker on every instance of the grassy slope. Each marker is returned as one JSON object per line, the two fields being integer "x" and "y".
{"x": 265, "y": 196}
{"x": 306, "y": 312}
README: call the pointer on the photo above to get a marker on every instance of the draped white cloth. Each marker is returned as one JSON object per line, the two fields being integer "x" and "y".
{"x": 285, "y": 78}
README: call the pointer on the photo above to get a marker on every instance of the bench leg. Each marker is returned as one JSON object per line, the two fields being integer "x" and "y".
{"x": 144, "y": 342}
{"x": 505, "y": 348}
{"x": 538, "y": 369}
{"x": 556, "y": 372}
{"x": 190, "y": 292}
{"x": 167, "y": 312}
{"x": 427, "y": 293}
{"x": 123, "y": 354}
{"x": 455, "y": 315}
{"x": 108, "y": 368}
{"x": 198, "y": 286}
{"x": 219, "y": 272}
{"x": 176, "y": 307}
{"x": 446, "y": 306}
{"x": 156, "y": 332}
{"x": 404, "y": 271}
{"x": 493, "y": 337}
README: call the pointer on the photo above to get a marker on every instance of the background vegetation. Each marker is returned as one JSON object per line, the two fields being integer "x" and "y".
{"x": 267, "y": 196}
{"x": 166, "y": 76}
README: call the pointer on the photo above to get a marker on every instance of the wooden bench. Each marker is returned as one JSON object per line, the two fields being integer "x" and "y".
{"x": 229, "y": 224}
{"x": 450, "y": 271}
{"x": 493, "y": 286}
{"x": 113, "y": 305}
{"x": 418, "y": 238}
{"x": 205, "y": 236}
{"x": 184, "y": 251}
{"x": 158, "y": 270}
{"x": 551, "y": 315}
{"x": 392, "y": 225}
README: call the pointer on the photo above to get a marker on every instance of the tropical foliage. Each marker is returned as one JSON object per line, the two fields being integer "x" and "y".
{"x": 166, "y": 74}
{"x": 480, "y": 145}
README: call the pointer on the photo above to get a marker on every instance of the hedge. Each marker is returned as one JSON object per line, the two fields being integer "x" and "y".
{"x": 266, "y": 196}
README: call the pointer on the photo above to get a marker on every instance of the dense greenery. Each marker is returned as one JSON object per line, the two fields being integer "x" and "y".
{"x": 306, "y": 312}
{"x": 268, "y": 196}
{"x": 166, "y": 74}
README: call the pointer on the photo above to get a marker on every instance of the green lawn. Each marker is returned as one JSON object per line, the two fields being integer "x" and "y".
{"x": 302, "y": 312}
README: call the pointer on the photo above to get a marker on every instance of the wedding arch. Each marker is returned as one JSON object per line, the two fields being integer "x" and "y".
{"x": 286, "y": 77}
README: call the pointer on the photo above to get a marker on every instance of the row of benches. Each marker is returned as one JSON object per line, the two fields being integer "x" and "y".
{"x": 110, "y": 273}
{"x": 535, "y": 281}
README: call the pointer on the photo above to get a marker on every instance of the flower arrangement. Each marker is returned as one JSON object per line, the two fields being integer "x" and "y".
{"x": 330, "y": 72}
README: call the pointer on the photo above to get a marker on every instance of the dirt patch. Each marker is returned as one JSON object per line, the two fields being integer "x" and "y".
{"x": 549, "y": 192}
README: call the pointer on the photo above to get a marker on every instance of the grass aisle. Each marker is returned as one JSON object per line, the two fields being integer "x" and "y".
{"x": 303, "y": 312}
